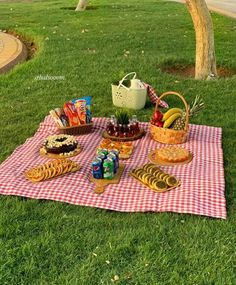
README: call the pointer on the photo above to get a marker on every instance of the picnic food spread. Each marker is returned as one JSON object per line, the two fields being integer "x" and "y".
{"x": 51, "y": 169}
{"x": 135, "y": 185}
{"x": 121, "y": 126}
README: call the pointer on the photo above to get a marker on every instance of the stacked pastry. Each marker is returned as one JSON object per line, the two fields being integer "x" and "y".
{"x": 155, "y": 178}
{"x": 125, "y": 148}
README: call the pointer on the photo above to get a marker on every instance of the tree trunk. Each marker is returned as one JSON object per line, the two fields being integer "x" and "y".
{"x": 205, "y": 65}
{"x": 81, "y": 5}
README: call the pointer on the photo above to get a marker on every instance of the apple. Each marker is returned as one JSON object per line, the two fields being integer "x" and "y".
{"x": 159, "y": 124}
{"x": 157, "y": 116}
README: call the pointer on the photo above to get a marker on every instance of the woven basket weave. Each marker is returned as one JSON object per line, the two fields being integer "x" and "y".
{"x": 169, "y": 136}
{"x": 76, "y": 130}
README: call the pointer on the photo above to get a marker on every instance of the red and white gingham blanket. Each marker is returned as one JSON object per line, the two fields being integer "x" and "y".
{"x": 151, "y": 92}
{"x": 201, "y": 192}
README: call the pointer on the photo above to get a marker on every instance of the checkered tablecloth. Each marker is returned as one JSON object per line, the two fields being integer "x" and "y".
{"x": 201, "y": 192}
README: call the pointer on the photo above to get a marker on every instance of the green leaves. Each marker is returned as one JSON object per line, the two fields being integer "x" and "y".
{"x": 122, "y": 116}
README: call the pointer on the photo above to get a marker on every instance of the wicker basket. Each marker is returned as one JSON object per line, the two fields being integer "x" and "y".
{"x": 76, "y": 130}
{"x": 169, "y": 136}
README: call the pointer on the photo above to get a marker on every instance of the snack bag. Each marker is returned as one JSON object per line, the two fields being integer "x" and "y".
{"x": 65, "y": 121}
{"x": 56, "y": 118}
{"x": 61, "y": 114}
{"x": 59, "y": 111}
{"x": 88, "y": 107}
{"x": 71, "y": 113}
{"x": 80, "y": 106}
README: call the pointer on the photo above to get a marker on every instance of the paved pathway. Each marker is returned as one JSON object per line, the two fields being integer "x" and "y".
{"x": 224, "y": 7}
{"x": 12, "y": 51}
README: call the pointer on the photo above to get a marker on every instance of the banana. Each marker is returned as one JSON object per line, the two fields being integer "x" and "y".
{"x": 171, "y": 119}
{"x": 171, "y": 112}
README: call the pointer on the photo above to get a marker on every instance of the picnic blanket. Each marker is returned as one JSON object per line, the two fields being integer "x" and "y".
{"x": 201, "y": 191}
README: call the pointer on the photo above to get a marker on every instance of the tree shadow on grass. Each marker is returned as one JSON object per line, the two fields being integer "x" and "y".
{"x": 185, "y": 69}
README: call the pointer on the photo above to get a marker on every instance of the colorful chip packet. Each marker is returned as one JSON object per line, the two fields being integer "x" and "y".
{"x": 74, "y": 113}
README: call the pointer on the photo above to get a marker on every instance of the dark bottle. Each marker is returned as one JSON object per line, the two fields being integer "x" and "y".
{"x": 110, "y": 128}
{"x": 121, "y": 131}
{"x": 125, "y": 130}
{"x": 135, "y": 125}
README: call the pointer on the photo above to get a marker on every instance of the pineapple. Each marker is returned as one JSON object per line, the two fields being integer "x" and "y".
{"x": 178, "y": 124}
{"x": 193, "y": 110}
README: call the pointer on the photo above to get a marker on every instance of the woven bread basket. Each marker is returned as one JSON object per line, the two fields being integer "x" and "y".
{"x": 76, "y": 130}
{"x": 169, "y": 136}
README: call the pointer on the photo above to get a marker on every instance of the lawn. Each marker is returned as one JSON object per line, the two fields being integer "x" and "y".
{"x": 45, "y": 242}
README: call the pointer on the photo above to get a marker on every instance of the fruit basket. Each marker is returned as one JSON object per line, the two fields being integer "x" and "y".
{"x": 167, "y": 135}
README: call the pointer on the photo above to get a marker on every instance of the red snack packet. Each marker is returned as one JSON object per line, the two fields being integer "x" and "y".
{"x": 71, "y": 113}
{"x": 80, "y": 106}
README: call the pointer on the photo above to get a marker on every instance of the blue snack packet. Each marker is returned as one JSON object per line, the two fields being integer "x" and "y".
{"x": 88, "y": 107}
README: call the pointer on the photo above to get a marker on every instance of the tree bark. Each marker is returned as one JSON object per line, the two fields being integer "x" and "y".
{"x": 205, "y": 64}
{"x": 81, "y": 5}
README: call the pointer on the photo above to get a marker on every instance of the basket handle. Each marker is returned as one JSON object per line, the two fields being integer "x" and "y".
{"x": 183, "y": 100}
{"x": 122, "y": 80}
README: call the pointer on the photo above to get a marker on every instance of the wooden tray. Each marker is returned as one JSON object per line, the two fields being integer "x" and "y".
{"x": 102, "y": 183}
{"x": 57, "y": 156}
{"x": 134, "y": 138}
{"x": 158, "y": 191}
{"x": 164, "y": 163}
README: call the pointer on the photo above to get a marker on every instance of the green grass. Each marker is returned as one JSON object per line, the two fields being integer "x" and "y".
{"x": 44, "y": 242}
